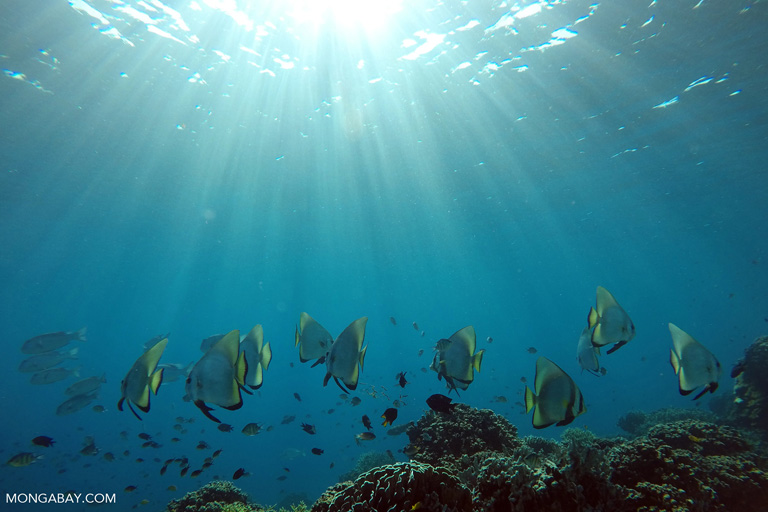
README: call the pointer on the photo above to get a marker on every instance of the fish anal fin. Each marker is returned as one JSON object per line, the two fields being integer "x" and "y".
{"x": 616, "y": 346}
{"x": 134, "y": 412}
{"x": 328, "y": 376}
{"x": 319, "y": 361}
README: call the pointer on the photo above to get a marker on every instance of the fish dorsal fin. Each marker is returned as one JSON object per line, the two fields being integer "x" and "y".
{"x": 354, "y": 334}
{"x": 466, "y": 337}
{"x": 546, "y": 371}
{"x": 151, "y": 357}
{"x": 305, "y": 319}
{"x": 681, "y": 339}
{"x": 362, "y": 356}
{"x": 604, "y": 300}
{"x": 255, "y": 338}
{"x": 228, "y": 346}
{"x": 241, "y": 369}
{"x": 156, "y": 380}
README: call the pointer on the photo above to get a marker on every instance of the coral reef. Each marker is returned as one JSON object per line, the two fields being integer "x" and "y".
{"x": 638, "y": 423}
{"x": 217, "y": 496}
{"x": 366, "y": 462}
{"x": 439, "y": 439}
{"x": 750, "y": 406}
{"x": 398, "y": 487}
{"x": 687, "y": 465}
{"x": 690, "y": 466}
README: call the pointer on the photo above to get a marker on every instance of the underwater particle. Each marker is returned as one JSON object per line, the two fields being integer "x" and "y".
{"x": 440, "y": 403}
{"x": 392, "y": 319}
{"x": 22, "y": 459}
{"x": 489, "y": 339}
{"x": 421, "y": 351}
{"x": 317, "y": 451}
{"x": 389, "y": 416}
{"x": 43, "y": 441}
{"x": 367, "y": 422}
{"x": 309, "y": 429}
{"x": 400, "y": 377}
{"x": 225, "y": 427}
{"x": 297, "y": 397}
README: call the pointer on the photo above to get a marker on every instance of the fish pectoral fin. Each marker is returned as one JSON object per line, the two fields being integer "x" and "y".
{"x": 674, "y": 361}
{"x": 530, "y": 400}
{"x": 156, "y": 380}
{"x": 592, "y": 318}
{"x": 362, "y": 356}
{"x": 477, "y": 359}
{"x": 206, "y": 410}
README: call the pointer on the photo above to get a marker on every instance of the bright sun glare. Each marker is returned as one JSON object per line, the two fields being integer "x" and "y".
{"x": 369, "y": 15}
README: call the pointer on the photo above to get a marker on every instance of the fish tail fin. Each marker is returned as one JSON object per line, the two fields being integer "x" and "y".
{"x": 592, "y": 317}
{"x": 156, "y": 380}
{"x": 80, "y": 334}
{"x": 362, "y": 356}
{"x": 530, "y": 400}
{"x": 266, "y": 356}
{"x": 674, "y": 361}
{"x": 477, "y": 359}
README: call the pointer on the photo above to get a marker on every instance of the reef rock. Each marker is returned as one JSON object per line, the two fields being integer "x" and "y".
{"x": 217, "y": 496}
{"x": 750, "y": 407}
{"x": 690, "y": 466}
{"x": 398, "y": 487}
{"x": 440, "y": 439}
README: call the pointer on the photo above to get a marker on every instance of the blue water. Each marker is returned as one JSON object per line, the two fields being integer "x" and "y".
{"x": 242, "y": 167}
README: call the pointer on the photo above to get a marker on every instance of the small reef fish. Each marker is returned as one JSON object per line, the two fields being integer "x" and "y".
{"x": 365, "y": 436}
{"x": 309, "y": 429}
{"x": 297, "y": 397}
{"x": 251, "y": 429}
{"x": 219, "y": 376}
{"x": 239, "y": 472}
{"x": 400, "y": 429}
{"x": 367, "y": 422}
{"x": 415, "y": 326}
{"x": 441, "y": 403}
{"x": 317, "y": 451}
{"x": 531, "y": 350}
{"x": 225, "y": 427}
{"x": 74, "y": 404}
{"x": 456, "y": 360}
{"x": 258, "y": 355}
{"x": 87, "y": 385}
{"x": 52, "y": 375}
{"x": 389, "y": 416}
{"x": 23, "y": 459}
{"x": 586, "y": 352}
{"x": 355, "y": 401}
{"x": 557, "y": 399}
{"x": 141, "y": 379}
{"x": 694, "y": 365}
{"x": 47, "y": 360}
{"x": 51, "y": 341}
{"x": 501, "y": 399}
{"x": 43, "y": 441}
{"x": 345, "y": 355}
{"x": 610, "y": 322}
{"x": 313, "y": 340}
{"x": 287, "y": 419}
{"x": 130, "y": 488}
{"x": 401, "y": 379}
{"x": 392, "y": 319}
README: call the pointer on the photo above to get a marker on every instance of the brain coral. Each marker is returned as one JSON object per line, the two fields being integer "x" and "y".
{"x": 439, "y": 439}
{"x": 398, "y": 487}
